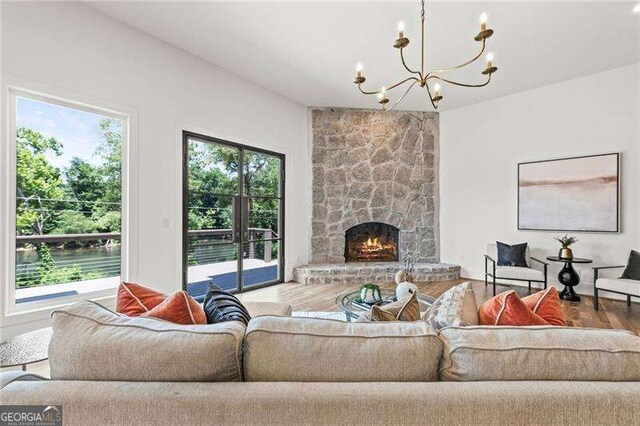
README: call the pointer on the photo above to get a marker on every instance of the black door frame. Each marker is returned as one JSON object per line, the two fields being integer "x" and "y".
{"x": 238, "y": 224}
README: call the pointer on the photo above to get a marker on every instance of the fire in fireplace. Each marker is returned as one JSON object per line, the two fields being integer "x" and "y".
{"x": 371, "y": 242}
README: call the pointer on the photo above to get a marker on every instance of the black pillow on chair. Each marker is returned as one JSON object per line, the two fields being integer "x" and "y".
{"x": 514, "y": 255}
{"x": 632, "y": 271}
{"x": 220, "y": 306}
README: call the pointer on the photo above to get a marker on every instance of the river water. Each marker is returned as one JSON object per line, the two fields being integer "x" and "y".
{"x": 90, "y": 259}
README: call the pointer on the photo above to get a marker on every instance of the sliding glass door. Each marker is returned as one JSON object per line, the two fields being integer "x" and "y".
{"x": 262, "y": 205}
{"x": 233, "y": 204}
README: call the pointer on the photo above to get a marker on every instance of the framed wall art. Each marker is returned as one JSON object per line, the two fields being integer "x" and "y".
{"x": 570, "y": 194}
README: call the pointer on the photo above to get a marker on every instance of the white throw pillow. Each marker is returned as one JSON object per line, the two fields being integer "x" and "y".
{"x": 455, "y": 307}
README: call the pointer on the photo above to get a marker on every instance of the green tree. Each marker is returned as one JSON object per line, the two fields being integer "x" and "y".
{"x": 256, "y": 169}
{"x": 109, "y": 222}
{"x": 211, "y": 191}
{"x": 47, "y": 266}
{"x": 73, "y": 222}
{"x": 84, "y": 183}
{"x": 110, "y": 151}
{"x": 38, "y": 183}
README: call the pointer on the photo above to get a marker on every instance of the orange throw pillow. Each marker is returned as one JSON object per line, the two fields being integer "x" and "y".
{"x": 507, "y": 309}
{"x": 179, "y": 308}
{"x": 135, "y": 299}
{"x": 547, "y": 304}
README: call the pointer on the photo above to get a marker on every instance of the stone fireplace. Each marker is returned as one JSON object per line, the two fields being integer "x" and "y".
{"x": 374, "y": 166}
{"x": 371, "y": 242}
{"x": 375, "y": 192}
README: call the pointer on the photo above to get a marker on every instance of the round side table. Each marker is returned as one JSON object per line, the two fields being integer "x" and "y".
{"x": 26, "y": 348}
{"x": 569, "y": 277}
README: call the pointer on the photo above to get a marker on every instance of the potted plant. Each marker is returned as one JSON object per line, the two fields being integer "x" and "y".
{"x": 565, "y": 251}
{"x": 370, "y": 294}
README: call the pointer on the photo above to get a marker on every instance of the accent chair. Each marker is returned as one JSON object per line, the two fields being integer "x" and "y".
{"x": 622, "y": 286}
{"x": 514, "y": 273}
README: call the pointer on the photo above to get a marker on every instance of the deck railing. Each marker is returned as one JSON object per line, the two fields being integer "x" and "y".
{"x": 206, "y": 246}
{"x": 215, "y": 245}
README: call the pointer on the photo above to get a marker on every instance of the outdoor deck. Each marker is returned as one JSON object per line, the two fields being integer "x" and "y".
{"x": 223, "y": 274}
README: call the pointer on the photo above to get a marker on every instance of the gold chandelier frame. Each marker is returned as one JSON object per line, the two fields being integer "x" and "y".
{"x": 420, "y": 77}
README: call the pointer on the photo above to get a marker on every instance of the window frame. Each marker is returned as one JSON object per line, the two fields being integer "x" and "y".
{"x": 8, "y": 292}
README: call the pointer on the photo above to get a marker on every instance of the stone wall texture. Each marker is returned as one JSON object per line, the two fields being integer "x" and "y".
{"x": 374, "y": 166}
{"x": 378, "y": 273}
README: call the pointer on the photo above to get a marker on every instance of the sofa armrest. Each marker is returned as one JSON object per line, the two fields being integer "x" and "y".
{"x": 596, "y": 271}
{"x": 596, "y": 268}
{"x": 486, "y": 268}
{"x": 7, "y": 377}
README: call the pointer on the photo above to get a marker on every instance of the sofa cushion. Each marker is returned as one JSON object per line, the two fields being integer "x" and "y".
{"x": 8, "y": 376}
{"x": 632, "y": 271}
{"x": 319, "y": 350}
{"x": 546, "y": 303}
{"x": 89, "y": 342}
{"x": 456, "y": 306}
{"x": 507, "y": 309}
{"x": 492, "y": 251}
{"x": 335, "y": 404}
{"x": 516, "y": 273}
{"x": 179, "y": 308}
{"x": 135, "y": 299}
{"x": 400, "y": 310}
{"x": 220, "y": 306}
{"x": 512, "y": 255}
{"x": 618, "y": 284}
{"x": 539, "y": 353}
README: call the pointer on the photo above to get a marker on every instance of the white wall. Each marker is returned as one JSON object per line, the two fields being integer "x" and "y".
{"x": 70, "y": 48}
{"x": 481, "y": 146}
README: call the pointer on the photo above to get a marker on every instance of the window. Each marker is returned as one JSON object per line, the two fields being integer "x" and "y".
{"x": 66, "y": 161}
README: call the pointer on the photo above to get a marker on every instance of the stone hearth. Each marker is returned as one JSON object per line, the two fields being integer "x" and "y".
{"x": 374, "y": 166}
{"x": 379, "y": 272}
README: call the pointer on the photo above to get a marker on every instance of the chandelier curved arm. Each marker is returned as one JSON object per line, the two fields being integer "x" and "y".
{"x": 418, "y": 73}
{"x": 365, "y": 92}
{"x": 457, "y": 67}
{"x": 435, "y": 106}
{"x": 401, "y": 97}
{"x": 458, "y": 84}
{"x": 415, "y": 79}
{"x": 393, "y": 86}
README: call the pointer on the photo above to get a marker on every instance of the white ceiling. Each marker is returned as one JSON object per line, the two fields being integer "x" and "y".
{"x": 307, "y": 51}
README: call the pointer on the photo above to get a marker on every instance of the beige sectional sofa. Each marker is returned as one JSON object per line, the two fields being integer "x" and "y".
{"x": 107, "y": 369}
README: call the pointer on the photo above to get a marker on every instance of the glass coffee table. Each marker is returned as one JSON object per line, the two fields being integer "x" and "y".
{"x": 350, "y": 306}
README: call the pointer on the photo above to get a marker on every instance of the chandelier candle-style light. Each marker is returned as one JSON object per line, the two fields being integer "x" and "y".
{"x": 420, "y": 77}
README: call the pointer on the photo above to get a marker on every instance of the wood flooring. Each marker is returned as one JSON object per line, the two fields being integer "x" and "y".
{"x": 322, "y": 297}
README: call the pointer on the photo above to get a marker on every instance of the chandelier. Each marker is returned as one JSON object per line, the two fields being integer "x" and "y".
{"x": 437, "y": 75}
